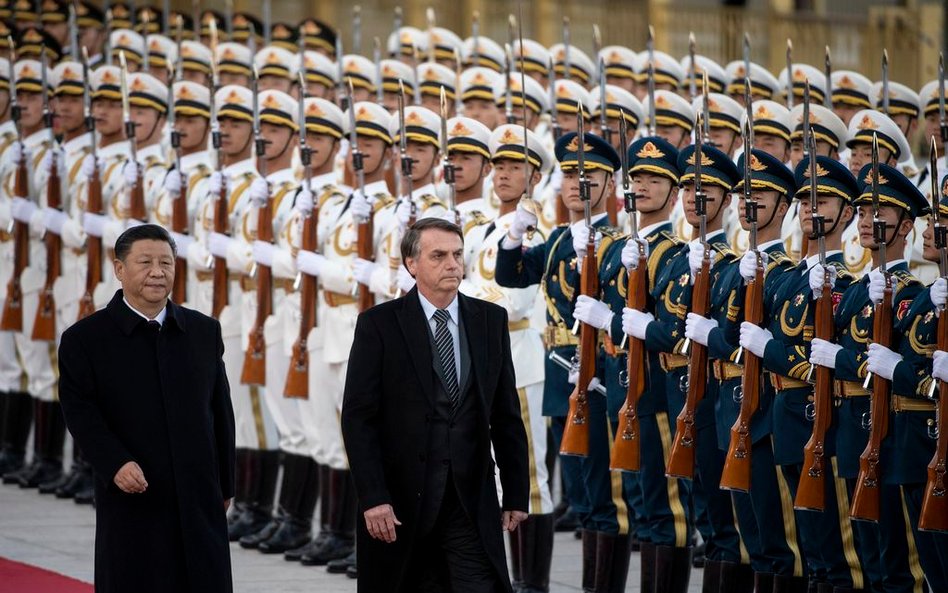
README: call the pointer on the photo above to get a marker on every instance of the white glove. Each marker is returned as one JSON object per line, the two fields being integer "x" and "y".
{"x": 523, "y": 220}
{"x": 877, "y": 286}
{"x": 310, "y": 262}
{"x": 816, "y": 279}
{"x": 630, "y": 253}
{"x": 698, "y": 328}
{"x": 20, "y": 152}
{"x": 130, "y": 172}
{"x": 172, "y": 183}
{"x": 823, "y": 353}
{"x": 882, "y": 361}
{"x": 199, "y": 256}
{"x": 695, "y": 256}
{"x": 635, "y": 322}
{"x": 360, "y": 206}
{"x": 403, "y": 213}
{"x": 748, "y": 265}
{"x": 54, "y": 219}
{"x": 580, "y": 236}
{"x": 182, "y": 243}
{"x": 215, "y": 183}
{"x": 573, "y": 377}
{"x": 755, "y": 338}
{"x": 259, "y": 192}
{"x": 47, "y": 164}
{"x": 362, "y": 270}
{"x": 22, "y": 209}
{"x": 89, "y": 165}
{"x": 217, "y": 244}
{"x": 405, "y": 281}
{"x": 594, "y": 312}
{"x": 940, "y": 365}
{"x": 263, "y": 253}
{"x": 304, "y": 201}
{"x": 93, "y": 224}
{"x": 939, "y": 293}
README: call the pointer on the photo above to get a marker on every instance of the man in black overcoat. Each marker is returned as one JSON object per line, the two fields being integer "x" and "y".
{"x": 145, "y": 396}
{"x": 429, "y": 391}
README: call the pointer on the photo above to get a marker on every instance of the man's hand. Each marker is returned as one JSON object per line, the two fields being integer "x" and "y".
{"x": 130, "y": 479}
{"x": 511, "y": 519}
{"x": 227, "y": 504}
{"x": 380, "y": 521}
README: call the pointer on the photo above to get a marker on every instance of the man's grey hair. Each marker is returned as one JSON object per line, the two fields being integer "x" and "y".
{"x": 411, "y": 241}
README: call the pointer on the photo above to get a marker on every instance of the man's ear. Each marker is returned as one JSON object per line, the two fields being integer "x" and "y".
{"x": 119, "y": 268}
{"x": 409, "y": 264}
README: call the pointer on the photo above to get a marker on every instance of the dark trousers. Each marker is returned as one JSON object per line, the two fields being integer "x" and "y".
{"x": 932, "y": 546}
{"x": 664, "y": 500}
{"x": 451, "y": 557}
{"x": 571, "y": 468}
{"x": 723, "y": 542}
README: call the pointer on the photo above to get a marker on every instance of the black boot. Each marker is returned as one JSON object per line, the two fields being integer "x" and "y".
{"x": 17, "y": 421}
{"x": 298, "y": 496}
{"x": 52, "y": 435}
{"x": 29, "y": 469}
{"x": 342, "y": 565}
{"x": 672, "y": 569}
{"x": 568, "y": 521}
{"x": 612, "y": 562}
{"x": 589, "y": 561}
{"x": 242, "y": 471}
{"x": 736, "y": 577}
{"x": 536, "y": 552}
{"x": 697, "y": 556}
{"x": 789, "y": 584}
{"x": 311, "y": 547}
{"x": 261, "y": 505}
{"x": 79, "y": 478}
{"x": 764, "y": 582}
{"x": 647, "y": 569}
{"x": 342, "y": 517}
{"x": 711, "y": 578}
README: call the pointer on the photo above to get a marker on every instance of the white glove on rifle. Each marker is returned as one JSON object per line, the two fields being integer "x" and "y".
{"x": 940, "y": 365}
{"x": 939, "y": 293}
{"x": 89, "y": 166}
{"x": 93, "y": 224}
{"x": 823, "y": 353}
{"x": 882, "y": 361}
{"x": 172, "y": 183}
{"x": 523, "y": 220}
{"x": 18, "y": 152}
{"x": 54, "y": 219}
{"x": 635, "y": 322}
{"x": 877, "y": 286}
{"x": 263, "y": 253}
{"x": 362, "y": 270}
{"x": 218, "y": 243}
{"x": 304, "y": 201}
{"x": 215, "y": 183}
{"x": 47, "y": 164}
{"x": 695, "y": 257}
{"x": 310, "y": 262}
{"x": 360, "y": 206}
{"x": 22, "y": 209}
{"x": 755, "y": 338}
{"x": 259, "y": 192}
{"x": 130, "y": 172}
{"x": 630, "y": 253}
{"x": 748, "y": 265}
{"x": 573, "y": 377}
{"x": 816, "y": 279}
{"x": 580, "y": 237}
{"x": 182, "y": 243}
{"x": 698, "y": 328}
{"x": 594, "y": 312}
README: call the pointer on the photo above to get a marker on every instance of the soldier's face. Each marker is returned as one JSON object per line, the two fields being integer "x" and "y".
{"x": 362, "y": 94}
{"x": 724, "y": 139}
{"x": 601, "y": 187}
{"x": 68, "y": 113}
{"x": 767, "y": 203}
{"x": 861, "y": 155}
{"x": 390, "y": 101}
{"x": 374, "y": 152}
{"x": 469, "y": 169}
{"x": 193, "y": 130}
{"x": 159, "y": 72}
{"x": 439, "y": 266}
{"x": 845, "y": 112}
{"x": 424, "y": 155}
{"x": 319, "y": 91}
{"x": 324, "y": 148}
{"x": 775, "y": 146}
{"x": 675, "y": 135}
{"x": 280, "y": 140}
{"x": 931, "y": 252}
{"x": 889, "y": 215}
{"x": 509, "y": 179}
{"x": 567, "y": 122}
{"x": 108, "y": 116}
{"x": 198, "y": 77}
{"x": 233, "y": 78}
{"x": 235, "y": 135}
{"x": 830, "y": 208}
{"x": 147, "y": 272}
{"x": 933, "y": 128}
{"x": 652, "y": 192}
{"x": 434, "y": 104}
{"x": 622, "y": 82}
{"x": 823, "y": 148}
{"x": 483, "y": 111}
{"x": 540, "y": 77}
{"x": 276, "y": 83}
{"x": 31, "y": 108}
{"x": 147, "y": 123}
{"x": 58, "y": 31}
{"x": 718, "y": 200}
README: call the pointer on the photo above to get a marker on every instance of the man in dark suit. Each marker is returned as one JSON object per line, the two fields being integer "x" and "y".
{"x": 145, "y": 396}
{"x": 430, "y": 389}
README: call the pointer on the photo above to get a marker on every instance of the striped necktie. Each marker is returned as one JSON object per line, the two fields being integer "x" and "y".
{"x": 445, "y": 345}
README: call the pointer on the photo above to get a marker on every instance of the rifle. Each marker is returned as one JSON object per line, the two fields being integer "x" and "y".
{"x": 229, "y": 19}
{"x": 942, "y": 120}
{"x": 567, "y": 366}
{"x": 576, "y": 432}
{"x": 865, "y": 505}
{"x": 681, "y": 460}
{"x": 526, "y": 200}
{"x": 934, "y": 515}
{"x": 789, "y": 74}
{"x": 736, "y": 474}
{"x": 179, "y": 204}
{"x": 73, "y": 33}
{"x": 377, "y": 60}
{"x": 650, "y": 47}
{"x": 567, "y": 60}
{"x": 255, "y": 359}
{"x": 44, "y": 324}
{"x": 611, "y": 204}
{"x": 430, "y": 17}
{"x": 357, "y": 29}
{"x": 885, "y": 81}
{"x": 12, "y": 318}
{"x": 446, "y": 165}
{"x": 136, "y": 202}
{"x": 811, "y": 489}
{"x": 805, "y": 239}
{"x": 692, "y": 67}
{"x": 406, "y": 160}
{"x": 146, "y": 55}
{"x": 828, "y": 72}
{"x": 626, "y": 450}
{"x": 476, "y": 35}
{"x": 93, "y": 204}
{"x": 221, "y": 207}
{"x": 562, "y": 214}
{"x": 365, "y": 229}
{"x": 508, "y": 93}
{"x": 297, "y": 375}
{"x": 267, "y": 23}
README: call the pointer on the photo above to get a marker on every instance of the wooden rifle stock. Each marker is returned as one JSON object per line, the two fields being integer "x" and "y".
{"x": 576, "y": 432}
{"x": 366, "y": 251}
{"x": 44, "y": 324}
{"x": 865, "y": 505}
{"x": 221, "y": 212}
{"x": 562, "y": 214}
{"x": 255, "y": 359}
{"x": 934, "y": 516}
{"x": 179, "y": 224}
{"x": 93, "y": 248}
{"x": 136, "y": 202}
{"x": 12, "y": 319}
{"x": 612, "y": 210}
{"x": 681, "y": 460}
{"x": 736, "y": 474}
{"x": 811, "y": 489}
{"x": 297, "y": 376}
{"x": 626, "y": 450}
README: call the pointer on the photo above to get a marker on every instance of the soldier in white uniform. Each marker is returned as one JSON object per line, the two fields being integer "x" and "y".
{"x": 674, "y": 121}
{"x": 234, "y": 64}
{"x": 468, "y": 153}
{"x": 532, "y": 542}
{"x": 148, "y": 104}
{"x": 277, "y": 68}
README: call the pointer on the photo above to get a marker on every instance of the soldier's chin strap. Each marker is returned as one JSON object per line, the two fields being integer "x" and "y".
{"x": 672, "y": 190}
{"x": 895, "y": 228}
{"x": 780, "y": 198}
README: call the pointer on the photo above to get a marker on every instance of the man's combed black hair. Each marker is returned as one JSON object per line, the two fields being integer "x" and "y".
{"x": 142, "y": 232}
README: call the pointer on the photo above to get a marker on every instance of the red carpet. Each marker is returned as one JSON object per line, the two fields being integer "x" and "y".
{"x": 16, "y": 577}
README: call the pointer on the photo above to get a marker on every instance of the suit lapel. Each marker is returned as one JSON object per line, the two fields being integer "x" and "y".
{"x": 412, "y": 320}
{"x": 475, "y": 331}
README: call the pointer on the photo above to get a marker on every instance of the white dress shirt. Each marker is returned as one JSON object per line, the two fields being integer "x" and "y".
{"x": 160, "y": 318}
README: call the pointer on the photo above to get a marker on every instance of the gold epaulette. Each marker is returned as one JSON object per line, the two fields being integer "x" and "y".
{"x": 723, "y": 251}
{"x": 328, "y": 192}
{"x": 477, "y": 218}
{"x": 671, "y": 237}
{"x": 903, "y": 279}
{"x": 428, "y": 200}
{"x": 381, "y": 201}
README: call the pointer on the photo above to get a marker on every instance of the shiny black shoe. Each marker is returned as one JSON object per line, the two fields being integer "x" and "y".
{"x": 310, "y": 548}
{"x": 292, "y": 534}
{"x": 698, "y": 560}
{"x": 335, "y": 548}
{"x": 342, "y": 565}
{"x": 252, "y": 540}
{"x": 79, "y": 481}
{"x": 52, "y": 486}
{"x": 352, "y": 572}
{"x": 250, "y": 522}
{"x": 568, "y": 522}
{"x": 86, "y": 496}
{"x": 10, "y": 462}
{"x": 40, "y": 473}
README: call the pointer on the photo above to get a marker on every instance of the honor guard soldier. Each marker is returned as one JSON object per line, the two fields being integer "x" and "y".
{"x": 91, "y": 24}
{"x": 570, "y": 97}
{"x": 148, "y": 21}
{"x": 54, "y": 20}
{"x": 898, "y": 204}
{"x": 234, "y": 64}
{"x": 674, "y": 118}
{"x": 196, "y": 62}
{"x": 668, "y": 72}
{"x": 717, "y": 76}
{"x": 904, "y": 106}
{"x": 32, "y": 42}
{"x": 913, "y": 385}
{"x": 851, "y": 93}
{"x": 27, "y": 199}
{"x": 131, "y": 44}
{"x": 797, "y": 80}
{"x": 284, "y": 36}
{"x": 443, "y": 46}
{"x": 277, "y": 67}
{"x": 468, "y": 143}
{"x": 534, "y": 96}
{"x": 320, "y": 75}
{"x": 581, "y": 68}
{"x": 408, "y": 45}
{"x": 396, "y": 75}
{"x": 621, "y": 67}
{"x": 825, "y": 538}
{"x": 362, "y": 74}
{"x": 148, "y": 99}
{"x": 532, "y": 542}
{"x": 483, "y": 52}
{"x": 236, "y": 173}
{"x": 431, "y": 79}
{"x": 319, "y": 37}
{"x": 619, "y": 103}
{"x": 764, "y": 85}
{"x": 477, "y": 95}
{"x": 724, "y": 121}
{"x": 554, "y": 265}
{"x": 247, "y": 29}
{"x": 536, "y": 60}
{"x": 763, "y": 510}
{"x": 206, "y": 17}
{"x": 162, "y": 51}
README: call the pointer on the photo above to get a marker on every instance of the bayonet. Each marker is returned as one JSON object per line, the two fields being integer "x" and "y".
{"x": 267, "y": 24}
{"x": 341, "y": 74}
{"x": 554, "y": 106}
{"x": 87, "y": 106}
{"x": 406, "y": 160}
{"x": 508, "y": 92}
{"x": 166, "y": 16}
{"x": 584, "y": 183}
{"x": 942, "y": 121}
{"x": 430, "y": 18}
{"x": 397, "y": 21}
{"x": 458, "y": 103}
{"x": 705, "y": 111}
{"x": 73, "y": 33}
{"x": 828, "y": 73}
{"x": 446, "y": 166}
{"x": 806, "y": 118}
{"x": 603, "y": 105}
{"x": 747, "y": 66}
{"x": 526, "y": 200}
{"x": 627, "y": 195}
{"x": 379, "y": 81}
{"x": 692, "y": 66}
{"x": 107, "y": 45}
{"x": 567, "y": 61}
{"x": 178, "y": 38}
{"x": 415, "y": 54}
{"x": 885, "y": 81}
{"x": 789, "y": 74}
{"x": 650, "y": 48}
{"x": 229, "y": 19}
{"x": 476, "y": 34}
{"x": 357, "y": 28}
{"x": 941, "y": 231}
{"x": 597, "y": 49}
{"x": 126, "y": 110}
{"x": 358, "y": 165}
{"x": 146, "y": 55}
